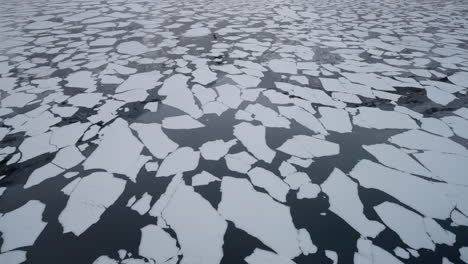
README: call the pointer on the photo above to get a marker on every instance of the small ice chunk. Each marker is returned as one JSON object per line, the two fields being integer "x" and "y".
{"x": 429, "y": 198}
{"x": 89, "y": 200}
{"x": 417, "y": 139}
{"x": 259, "y": 216}
{"x": 43, "y": 173}
{"x": 296, "y": 180}
{"x": 197, "y": 32}
{"x": 118, "y": 150}
{"x": 151, "y": 166}
{"x": 181, "y": 160}
{"x": 42, "y": 25}
{"x": 305, "y": 242}
{"x": 308, "y": 191}
{"x": 68, "y": 157}
{"x": 401, "y": 253}
{"x": 88, "y": 100}
{"x": 131, "y": 48}
{"x": 436, "y": 126}
{"x": 199, "y": 228}
{"x": 7, "y": 83}
{"x": 463, "y": 112}
{"x": 203, "y": 178}
{"x": 335, "y": 119}
{"x": 215, "y": 150}
{"x": 267, "y": 180}
{"x": 439, "y": 96}
{"x": 142, "y": 206}
{"x": 260, "y": 256}
{"x": 254, "y": 139}
{"x": 267, "y": 116}
{"x": 303, "y": 117}
{"x": 447, "y": 167}
{"x": 245, "y": 80}
{"x": 181, "y": 122}
{"x": 81, "y": 79}
{"x": 375, "y": 118}
{"x": 103, "y": 42}
{"x": 36, "y": 145}
{"x": 283, "y": 66}
{"x": 22, "y": 226}
{"x": 140, "y": 81}
{"x": 286, "y": 169}
{"x": 438, "y": 234}
{"x": 165, "y": 198}
{"x": 344, "y": 201}
{"x": 157, "y": 245}
{"x": 152, "y": 106}
{"x": 179, "y": 95}
{"x": 459, "y": 78}
{"x": 17, "y": 100}
{"x": 240, "y": 162}
{"x": 153, "y": 137}
{"x": 408, "y": 225}
{"x": 68, "y": 189}
{"x": 392, "y": 156}
{"x": 307, "y": 147}
{"x": 464, "y": 254}
{"x": 68, "y": 135}
{"x": 229, "y": 95}
{"x": 458, "y": 218}
{"x": 204, "y": 75}
{"x": 332, "y": 255}
{"x": 458, "y": 124}
{"x": 332, "y": 85}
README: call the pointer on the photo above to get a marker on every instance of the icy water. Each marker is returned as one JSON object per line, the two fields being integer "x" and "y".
{"x": 259, "y": 132}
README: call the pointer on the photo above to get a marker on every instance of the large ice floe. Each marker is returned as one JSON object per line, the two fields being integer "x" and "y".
{"x": 218, "y": 132}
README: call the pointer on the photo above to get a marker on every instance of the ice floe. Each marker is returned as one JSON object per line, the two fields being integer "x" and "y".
{"x": 181, "y": 160}
{"x": 307, "y": 147}
{"x": 157, "y": 245}
{"x": 259, "y": 215}
{"x": 112, "y": 157}
{"x": 154, "y": 138}
{"x": 265, "y": 179}
{"x": 199, "y": 228}
{"x": 215, "y": 150}
{"x": 345, "y": 202}
{"x": 21, "y": 227}
{"x": 89, "y": 200}
{"x": 254, "y": 139}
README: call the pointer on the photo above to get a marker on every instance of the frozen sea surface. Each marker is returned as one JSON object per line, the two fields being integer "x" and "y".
{"x": 219, "y": 131}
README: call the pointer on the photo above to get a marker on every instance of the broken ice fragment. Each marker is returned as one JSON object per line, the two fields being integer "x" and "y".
{"x": 22, "y": 226}
{"x": 215, "y": 150}
{"x": 157, "y": 245}
{"x": 260, "y": 256}
{"x": 254, "y": 139}
{"x": 270, "y": 182}
{"x": 131, "y": 48}
{"x": 89, "y": 200}
{"x": 157, "y": 142}
{"x": 203, "y": 178}
{"x": 181, "y": 122}
{"x": 182, "y": 160}
{"x": 259, "y": 216}
{"x": 408, "y": 225}
{"x": 199, "y": 228}
{"x": 307, "y": 147}
{"x": 118, "y": 151}
{"x": 344, "y": 201}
